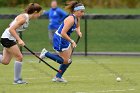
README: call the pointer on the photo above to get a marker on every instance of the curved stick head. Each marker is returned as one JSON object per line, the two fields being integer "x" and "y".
{"x": 60, "y": 71}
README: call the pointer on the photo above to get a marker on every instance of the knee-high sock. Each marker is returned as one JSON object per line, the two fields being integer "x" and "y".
{"x": 54, "y": 57}
{"x": 63, "y": 68}
{"x": 0, "y": 58}
{"x": 17, "y": 70}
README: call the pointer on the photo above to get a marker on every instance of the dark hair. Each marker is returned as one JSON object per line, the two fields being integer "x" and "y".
{"x": 33, "y": 7}
{"x": 71, "y": 5}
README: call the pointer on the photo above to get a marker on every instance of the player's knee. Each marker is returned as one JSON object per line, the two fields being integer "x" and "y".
{"x": 19, "y": 58}
{"x": 68, "y": 61}
{"x": 5, "y": 63}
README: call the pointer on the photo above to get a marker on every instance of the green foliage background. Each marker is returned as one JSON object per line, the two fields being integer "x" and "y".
{"x": 89, "y": 3}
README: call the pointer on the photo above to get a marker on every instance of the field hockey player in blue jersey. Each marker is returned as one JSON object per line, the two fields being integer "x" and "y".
{"x": 62, "y": 42}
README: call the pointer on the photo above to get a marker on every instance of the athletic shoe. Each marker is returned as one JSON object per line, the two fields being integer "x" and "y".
{"x": 56, "y": 79}
{"x": 42, "y": 54}
{"x": 20, "y": 81}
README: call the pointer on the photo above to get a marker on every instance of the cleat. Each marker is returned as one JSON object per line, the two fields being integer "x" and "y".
{"x": 20, "y": 81}
{"x": 56, "y": 79}
{"x": 42, "y": 54}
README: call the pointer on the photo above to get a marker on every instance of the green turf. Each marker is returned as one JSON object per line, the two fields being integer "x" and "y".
{"x": 85, "y": 75}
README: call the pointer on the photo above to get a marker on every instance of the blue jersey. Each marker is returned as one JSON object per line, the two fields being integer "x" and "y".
{"x": 59, "y": 43}
{"x": 56, "y": 16}
{"x": 71, "y": 29}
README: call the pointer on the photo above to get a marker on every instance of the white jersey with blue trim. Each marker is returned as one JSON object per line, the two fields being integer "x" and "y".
{"x": 73, "y": 28}
{"x": 7, "y": 33}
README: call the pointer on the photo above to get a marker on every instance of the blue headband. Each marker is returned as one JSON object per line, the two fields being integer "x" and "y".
{"x": 79, "y": 8}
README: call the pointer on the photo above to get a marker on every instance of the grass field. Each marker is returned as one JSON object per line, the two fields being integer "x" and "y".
{"x": 85, "y": 75}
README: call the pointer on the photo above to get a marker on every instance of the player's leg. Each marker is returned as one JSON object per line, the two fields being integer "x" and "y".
{"x": 1, "y": 57}
{"x": 6, "y": 57}
{"x": 51, "y": 34}
{"x": 14, "y": 50}
{"x": 66, "y": 55}
{"x": 54, "y": 57}
{"x": 59, "y": 45}
{"x": 63, "y": 67}
{"x": 62, "y": 58}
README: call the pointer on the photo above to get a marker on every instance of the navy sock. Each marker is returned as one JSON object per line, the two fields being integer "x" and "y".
{"x": 63, "y": 68}
{"x": 54, "y": 57}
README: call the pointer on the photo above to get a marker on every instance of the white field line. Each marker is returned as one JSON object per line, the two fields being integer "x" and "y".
{"x": 117, "y": 90}
{"x": 33, "y": 78}
{"x": 82, "y": 77}
{"x": 30, "y": 78}
{"x": 49, "y": 77}
{"x": 89, "y": 61}
{"x": 30, "y": 61}
{"x": 107, "y": 91}
{"x": 31, "y": 70}
{"x": 90, "y": 76}
{"x": 81, "y": 92}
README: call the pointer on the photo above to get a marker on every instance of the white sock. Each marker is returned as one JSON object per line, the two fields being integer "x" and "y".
{"x": 0, "y": 58}
{"x": 17, "y": 70}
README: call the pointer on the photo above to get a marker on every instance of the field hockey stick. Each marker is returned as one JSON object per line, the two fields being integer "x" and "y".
{"x": 42, "y": 60}
{"x": 74, "y": 48}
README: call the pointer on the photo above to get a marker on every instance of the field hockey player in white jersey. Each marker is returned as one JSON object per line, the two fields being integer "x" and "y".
{"x": 10, "y": 39}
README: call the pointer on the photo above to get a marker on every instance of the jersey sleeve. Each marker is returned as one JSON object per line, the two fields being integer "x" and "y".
{"x": 62, "y": 13}
{"x": 46, "y": 13}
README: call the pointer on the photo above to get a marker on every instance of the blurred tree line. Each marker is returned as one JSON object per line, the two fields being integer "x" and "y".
{"x": 88, "y": 3}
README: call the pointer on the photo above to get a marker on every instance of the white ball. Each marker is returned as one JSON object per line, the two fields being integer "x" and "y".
{"x": 118, "y": 79}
